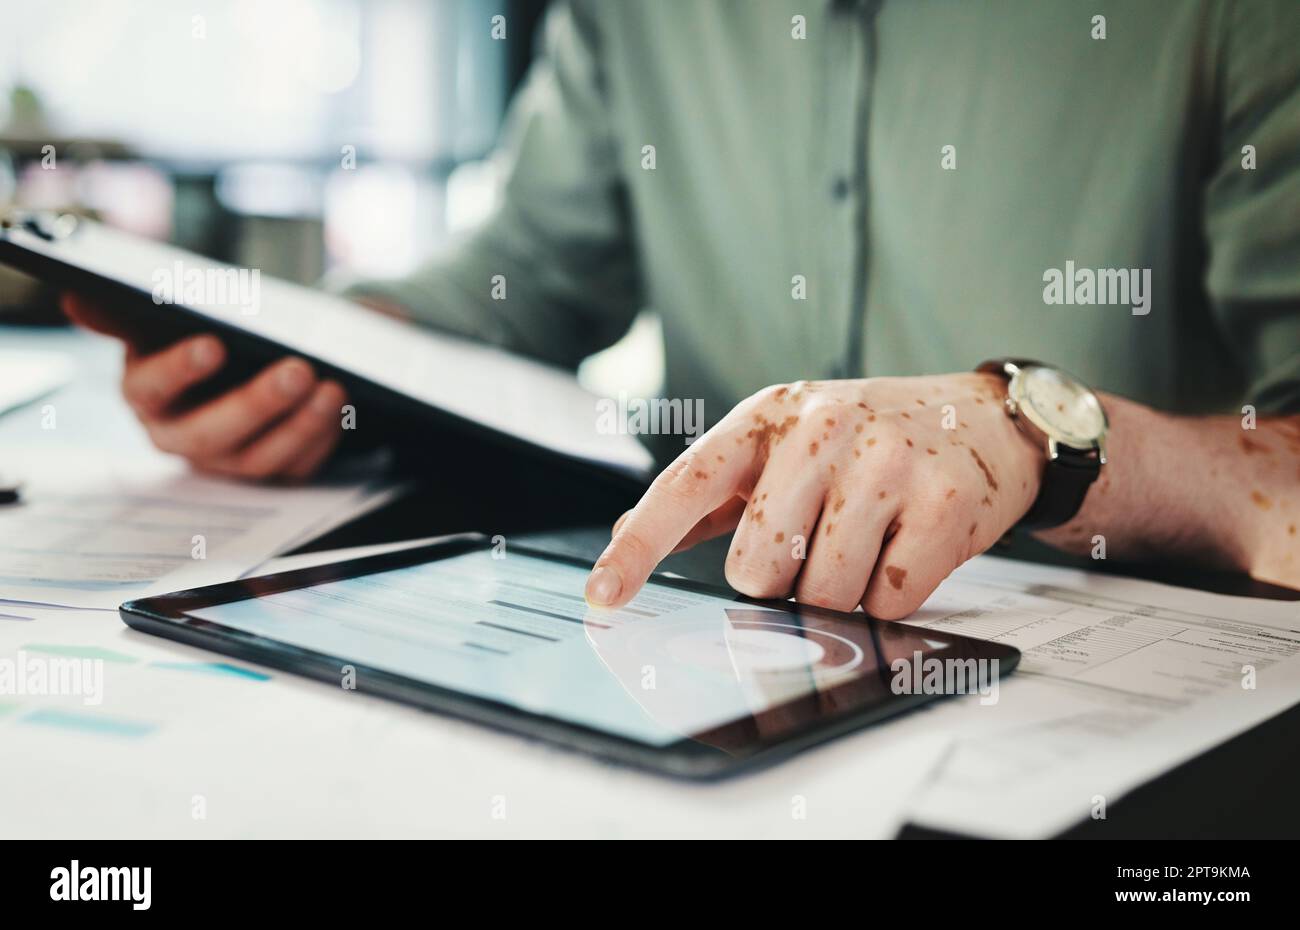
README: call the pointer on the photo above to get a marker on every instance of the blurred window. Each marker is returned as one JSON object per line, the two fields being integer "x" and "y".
{"x": 414, "y": 80}
{"x": 342, "y": 121}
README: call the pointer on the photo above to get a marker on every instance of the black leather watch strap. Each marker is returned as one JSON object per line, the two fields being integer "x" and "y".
{"x": 1065, "y": 484}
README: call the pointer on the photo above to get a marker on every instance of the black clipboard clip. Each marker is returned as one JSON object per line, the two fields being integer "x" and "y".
{"x": 46, "y": 224}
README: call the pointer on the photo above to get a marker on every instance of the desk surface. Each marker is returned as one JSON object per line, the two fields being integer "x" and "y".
{"x": 1243, "y": 788}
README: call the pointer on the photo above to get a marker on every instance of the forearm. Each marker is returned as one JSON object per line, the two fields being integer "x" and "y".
{"x": 554, "y": 304}
{"x": 1199, "y": 488}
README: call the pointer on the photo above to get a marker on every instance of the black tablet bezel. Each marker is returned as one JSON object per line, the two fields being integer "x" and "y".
{"x": 167, "y": 616}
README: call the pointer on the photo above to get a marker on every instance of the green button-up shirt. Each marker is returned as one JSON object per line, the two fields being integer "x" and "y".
{"x": 830, "y": 188}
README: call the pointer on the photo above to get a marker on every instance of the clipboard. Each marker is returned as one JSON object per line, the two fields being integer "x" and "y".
{"x": 409, "y": 386}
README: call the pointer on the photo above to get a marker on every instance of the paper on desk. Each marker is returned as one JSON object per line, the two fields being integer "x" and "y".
{"x": 371, "y": 496}
{"x": 28, "y": 374}
{"x": 1121, "y": 680}
{"x": 289, "y": 563}
{"x": 94, "y": 531}
{"x": 189, "y": 744}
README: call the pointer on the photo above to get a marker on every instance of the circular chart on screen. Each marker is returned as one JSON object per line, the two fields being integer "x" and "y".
{"x": 748, "y": 641}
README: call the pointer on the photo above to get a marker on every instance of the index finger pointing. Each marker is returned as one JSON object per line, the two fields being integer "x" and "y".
{"x": 701, "y": 479}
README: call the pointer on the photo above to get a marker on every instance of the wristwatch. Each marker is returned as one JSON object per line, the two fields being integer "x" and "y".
{"x": 1056, "y": 409}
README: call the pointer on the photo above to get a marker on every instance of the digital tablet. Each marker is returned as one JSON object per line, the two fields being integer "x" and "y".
{"x": 687, "y": 679}
{"x": 405, "y": 381}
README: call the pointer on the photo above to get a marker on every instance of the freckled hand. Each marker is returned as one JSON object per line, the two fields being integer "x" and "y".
{"x": 844, "y": 492}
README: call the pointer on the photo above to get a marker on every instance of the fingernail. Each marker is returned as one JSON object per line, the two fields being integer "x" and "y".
{"x": 293, "y": 378}
{"x": 603, "y": 586}
{"x": 204, "y": 354}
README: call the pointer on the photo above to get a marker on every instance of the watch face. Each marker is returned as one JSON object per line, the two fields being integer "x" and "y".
{"x": 1060, "y": 406}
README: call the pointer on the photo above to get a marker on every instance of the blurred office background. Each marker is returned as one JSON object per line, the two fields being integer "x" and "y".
{"x": 291, "y": 135}
{"x": 295, "y": 136}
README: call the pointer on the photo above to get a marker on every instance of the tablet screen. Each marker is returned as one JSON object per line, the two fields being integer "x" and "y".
{"x": 672, "y": 664}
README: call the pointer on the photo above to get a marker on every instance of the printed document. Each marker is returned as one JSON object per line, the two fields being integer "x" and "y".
{"x": 94, "y": 531}
{"x": 1120, "y": 681}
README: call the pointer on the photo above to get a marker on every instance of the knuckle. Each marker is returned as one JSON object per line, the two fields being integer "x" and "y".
{"x": 675, "y": 471}
{"x": 178, "y": 441}
{"x": 331, "y": 397}
{"x": 817, "y": 593}
{"x": 934, "y": 498}
{"x": 138, "y": 388}
{"x": 767, "y": 396}
{"x": 255, "y": 466}
{"x": 257, "y": 402}
{"x": 888, "y": 605}
{"x": 198, "y": 441}
{"x": 893, "y": 434}
{"x": 265, "y": 394}
{"x": 748, "y": 578}
{"x": 195, "y": 444}
{"x": 162, "y": 437}
{"x": 631, "y": 547}
{"x": 680, "y": 480}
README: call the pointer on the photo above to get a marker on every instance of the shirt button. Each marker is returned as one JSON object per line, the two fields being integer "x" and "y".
{"x": 840, "y": 188}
